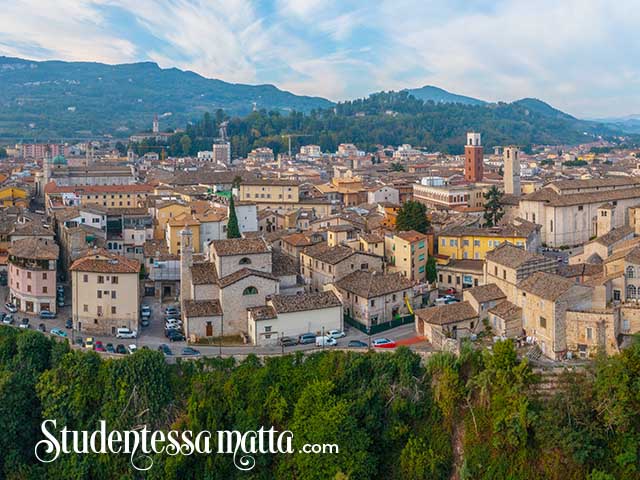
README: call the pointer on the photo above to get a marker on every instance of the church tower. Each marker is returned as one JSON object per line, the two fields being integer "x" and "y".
{"x": 156, "y": 124}
{"x": 511, "y": 157}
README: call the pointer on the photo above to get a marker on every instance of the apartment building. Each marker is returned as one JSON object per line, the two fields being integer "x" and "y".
{"x": 407, "y": 253}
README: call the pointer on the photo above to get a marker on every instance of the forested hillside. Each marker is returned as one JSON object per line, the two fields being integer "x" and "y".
{"x": 478, "y": 416}
{"x": 394, "y": 118}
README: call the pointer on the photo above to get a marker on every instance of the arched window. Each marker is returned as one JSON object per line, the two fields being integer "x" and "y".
{"x": 244, "y": 261}
{"x": 631, "y": 292}
{"x": 250, "y": 291}
{"x": 630, "y": 272}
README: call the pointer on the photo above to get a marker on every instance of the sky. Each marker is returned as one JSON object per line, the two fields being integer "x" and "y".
{"x": 579, "y": 55}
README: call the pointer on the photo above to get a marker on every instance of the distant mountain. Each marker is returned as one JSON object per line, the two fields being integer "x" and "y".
{"x": 628, "y": 123}
{"x": 439, "y": 95}
{"x": 56, "y": 99}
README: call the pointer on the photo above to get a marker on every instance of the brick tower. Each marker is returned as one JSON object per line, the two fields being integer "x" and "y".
{"x": 473, "y": 158}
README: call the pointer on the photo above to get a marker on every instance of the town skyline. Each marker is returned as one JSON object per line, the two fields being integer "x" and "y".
{"x": 345, "y": 50}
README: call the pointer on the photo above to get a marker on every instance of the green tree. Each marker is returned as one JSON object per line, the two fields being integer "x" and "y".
{"x": 233, "y": 229}
{"x": 397, "y": 167}
{"x": 185, "y": 143}
{"x": 3, "y": 152}
{"x": 432, "y": 271}
{"x": 493, "y": 210}
{"x": 412, "y": 216}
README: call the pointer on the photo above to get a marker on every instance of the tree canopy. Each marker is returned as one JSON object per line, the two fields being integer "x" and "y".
{"x": 412, "y": 216}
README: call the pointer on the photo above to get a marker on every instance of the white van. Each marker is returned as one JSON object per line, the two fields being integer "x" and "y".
{"x": 126, "y": 333}
{"x": 325, "y": 341}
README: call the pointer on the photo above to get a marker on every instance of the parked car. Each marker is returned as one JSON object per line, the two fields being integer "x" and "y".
{"x": 190, "y": 351}
{"x": 164, "y": 348}
{"x": 336, "y": 334}
{"x": 126, "y": 333}
{"x": 132, "y": 349}
{"x": 288, "y": 341}
{"x": 47, "y": 314}
{"x": 78, "y": 341}
{"x": 173, "y": 321}
{"x": 25, "y": 323}
{"x": 306, "y": 338}
{"x": 60, "y": 302}
{"x": 99, "y": 347}
{"x": 68, "y": 323}
{"x": 7, "y": 319}
{"x": 42, "y": 328}
{"x": 357, "y": 344}
{"x": 326, "y": 341}
{"x": 58, "y": 333}
{"x": 88, "y": 342}
{"x": 176, "y": 336}
{"x": 109, "y": 348}
{"x": 451, "y": 291}
{"x": 11, "y": 307}
{"x": 145, "y": 322}
{"x": 60, "y": 289}
{"x": 120, "y": 349}
{"x": 384, "y": 343}
{"x": 451, "y": 300}
{"x": 171, "y": 311}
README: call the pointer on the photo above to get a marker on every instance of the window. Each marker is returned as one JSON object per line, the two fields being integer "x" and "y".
{"x": 421, "y": 244}
{"x": 85, "y": 308}
{"x": 495, "y": 271}
{"x": 250, "y": 291}
{"x": 543, "y": 322}
{"x": 99, "y": 310}
{"x": 44, "y": 276}
{"x": 630, "y": 272}
{"x": 28, "y": 288}
{"x": 99, "y": 293}
{"x": 616, "y": 295}
{"x": 453, "y": 242}
{"x": 476, "y": 243}
{"x": 244, "y": 261}
{"x": 421, "y": 257}
{"x": 113, "y": 294}
{"x": 580, "y": 208}
{"x": 443, "y": 242}
{"x": 28, "y": 274}
{"x": 267, "y": 329}
{"x": 465, "y": 243}
{"x": 589, "y": 333}
{"x": 45, "y": 290}
{"x": 373, "y": 303}
{"x": 100, "y": 279}
{"x": 551, "y": 225}
{"x": 114, "y": 280}
{"x": 113, "y": 310}
{"x": 631, "y": 292}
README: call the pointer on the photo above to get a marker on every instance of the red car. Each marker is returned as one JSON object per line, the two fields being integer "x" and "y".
{"x": 99, "y": 347}
{"x": 383, "y": 343}
{"x": 451, "y": 291}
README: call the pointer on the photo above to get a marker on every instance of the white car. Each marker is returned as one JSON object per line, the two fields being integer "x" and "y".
{"x": 174, "y": 322}
{"x": 325, "y": 341}
{"x": 11, "y": 307}
{"x": 126, "y": 333}
{"x": 336, "y": 334}
{"x": 132, "y": 349}
{"x": 8, "y": 319}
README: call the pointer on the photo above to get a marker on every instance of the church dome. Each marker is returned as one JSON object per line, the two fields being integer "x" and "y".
{"x": 59, "y": 160}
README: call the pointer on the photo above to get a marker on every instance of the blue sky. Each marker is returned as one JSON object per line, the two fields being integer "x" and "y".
{"x": 579, "y": 55}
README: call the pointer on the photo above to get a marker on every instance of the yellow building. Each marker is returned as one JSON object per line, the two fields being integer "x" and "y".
{"x": 109, "y": 196}
{"x": 175, "y": 225}
{"x": 269, "y": 191}
{"x": 11, "y": 196}
{"x": 165, "y": 212}
{"x": 407, "y": 253}
{"x": 474, "y": 242}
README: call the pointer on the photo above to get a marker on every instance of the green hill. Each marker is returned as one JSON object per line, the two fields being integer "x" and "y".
{"x": 439, "y": 95}
{"x": 66, "y": 99}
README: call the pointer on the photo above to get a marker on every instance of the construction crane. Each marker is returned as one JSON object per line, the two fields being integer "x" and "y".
{"x": 289, "y": 135}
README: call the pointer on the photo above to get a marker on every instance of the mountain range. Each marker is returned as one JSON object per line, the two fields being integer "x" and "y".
{"x": 56, "y": 99}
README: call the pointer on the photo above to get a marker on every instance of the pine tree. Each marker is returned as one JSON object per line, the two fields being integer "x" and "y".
{"x": 233, "y": 230}
{"x": 432, "y": 271}
{"x": 493, "y": 210}
{"x": 412, "y": 216}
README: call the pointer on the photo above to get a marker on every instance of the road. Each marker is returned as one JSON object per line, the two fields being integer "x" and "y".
{"x": 153, "y": 336}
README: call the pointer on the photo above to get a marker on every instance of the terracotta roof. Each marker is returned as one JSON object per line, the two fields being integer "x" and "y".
{"x": 341, "y": 228}
{"x": 580, "y": 269}
{"x": 203, "y": 273}
{"x": 555, "y": 199}
{"x": 411, "y": 236}
{"x": 546, "y": 285}
{"x": 364, "y": 283}
{"x": 52, "y": 187}
{"x": 304, "y": 302}
{"x": 514, "y": 257}
{"x": 241, "y": 274}
{"x": 239, "y": 246}
{"x": 202, "y": 308}
{"x": 486, "y": 293}
{"x": 101, "y": 261}
{"x": 282, "y": 264}
{"x": 372, "y": 237}
{"x": 572, "y": 184}
{"x": 466, "y": 264}
{"x": 263, "y": 312}
{"x": 35, "y": 248}
{"x": 297, "y": 240}
{"x": 33, "y": 228}
{"x": 271, "y": 182}
{"x": 521, "y": 230}
{"x": 507, "y": 311}
{"x": 446, "y": 314}
{"x": 331, "y": 255}
{"x": 614, "y": 236}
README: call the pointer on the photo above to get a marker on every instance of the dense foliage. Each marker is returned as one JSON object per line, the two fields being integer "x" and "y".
{"x": 391, "y": 415}
{"x": 412, "y": 215}
{"x": 493, "y": 209}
